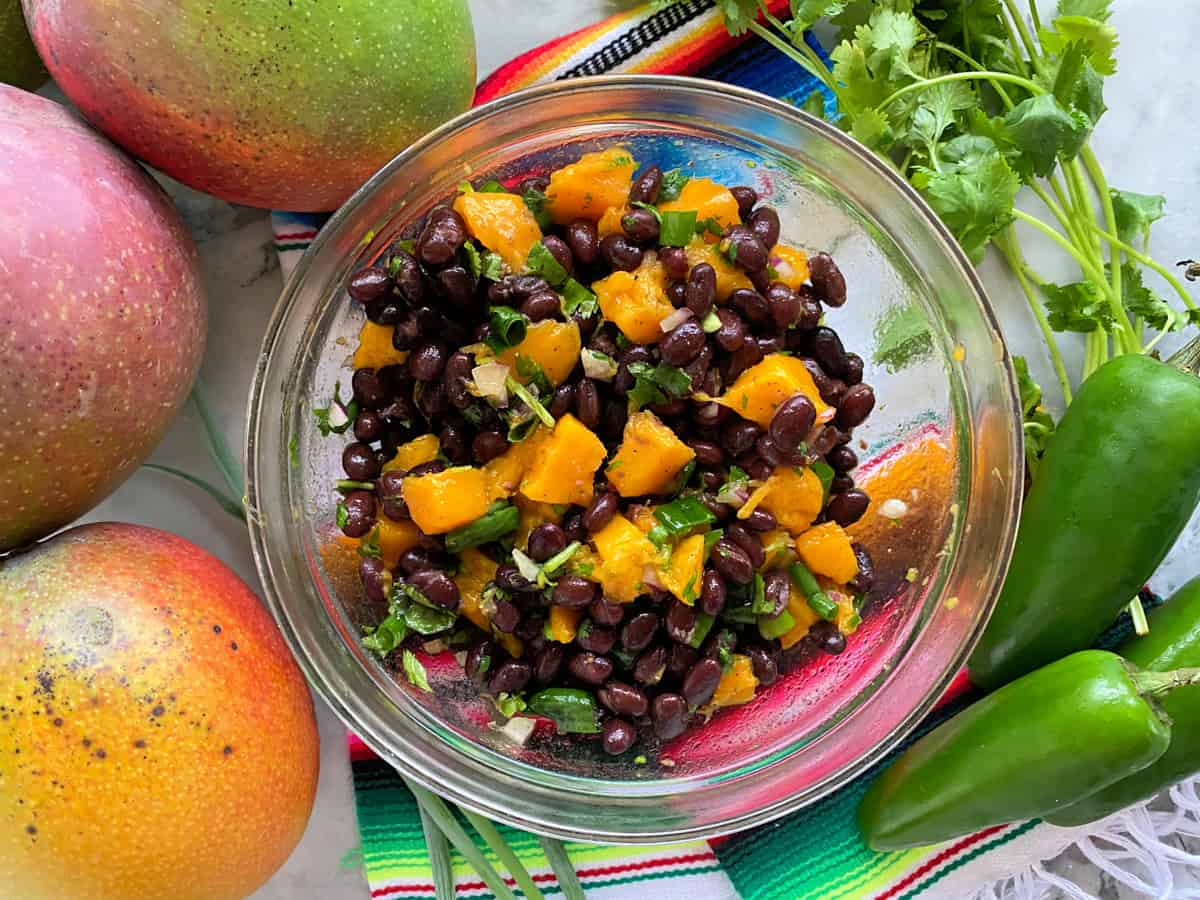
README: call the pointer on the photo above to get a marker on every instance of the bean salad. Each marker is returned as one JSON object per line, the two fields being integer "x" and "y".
{"x": 602, "y": 449}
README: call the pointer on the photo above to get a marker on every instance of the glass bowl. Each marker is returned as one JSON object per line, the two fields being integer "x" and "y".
{"x": 944, "y": 441}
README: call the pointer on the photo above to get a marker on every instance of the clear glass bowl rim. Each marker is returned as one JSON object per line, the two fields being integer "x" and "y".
{"x": 346, "y": 707}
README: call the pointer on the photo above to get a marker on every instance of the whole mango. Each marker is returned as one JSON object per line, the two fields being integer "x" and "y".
{"x": 102, "y": 316}
{"x": 268, "y": 103}
{"x": 156, "y": 738}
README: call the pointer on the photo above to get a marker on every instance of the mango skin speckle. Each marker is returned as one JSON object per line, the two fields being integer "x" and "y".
{"x": 156, "y": 738}
{"x": 274, "y": 103}
{"x": 102, "y": 317}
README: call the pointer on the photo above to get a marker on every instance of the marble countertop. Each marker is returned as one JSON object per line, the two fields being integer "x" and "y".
{"x": 1147, "y": 141}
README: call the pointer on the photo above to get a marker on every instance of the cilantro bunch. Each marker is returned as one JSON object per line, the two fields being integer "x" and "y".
{"x": 972, "y": 103}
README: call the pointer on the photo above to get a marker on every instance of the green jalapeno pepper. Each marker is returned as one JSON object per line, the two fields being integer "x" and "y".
{"x": 1116, "y": 486}
{"x": 1173, "y": 642}
{"x": 1038, "y": 744}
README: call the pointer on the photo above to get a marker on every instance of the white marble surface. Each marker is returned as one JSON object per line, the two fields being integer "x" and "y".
{"x": 1147, "y": 142}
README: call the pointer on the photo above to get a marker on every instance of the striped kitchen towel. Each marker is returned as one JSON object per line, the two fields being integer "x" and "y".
{"x": 817, "y": 853}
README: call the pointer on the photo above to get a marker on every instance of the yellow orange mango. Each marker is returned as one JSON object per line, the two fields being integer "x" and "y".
{"x": 502, "y": 223}
{"x": 587, "y": 188}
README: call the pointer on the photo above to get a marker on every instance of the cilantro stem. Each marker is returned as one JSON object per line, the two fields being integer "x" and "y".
{"x": 797, "y": 39}
{"x": 984, "y": 75}
{"x": 1088, "y": 266}
{"x": 563, "y": 870}
{"x": 1076, "y": 179}
{"x": 1008, "y": 246}
{"x": 978, "y": 67}
{"x": 789, "y": 50}
{"x": 1092, "y": 165}
{"x": 457, "y": 835}
{"x": 1026, "y": 38}
{"x": 1059, "y": 212}
{"x": 439, "y": 858}
{"x": 1033, "y": 13}
{"x": 535, "y": 406}
{"x": 1149, "y": 262}
{"x": 496, "y": 843}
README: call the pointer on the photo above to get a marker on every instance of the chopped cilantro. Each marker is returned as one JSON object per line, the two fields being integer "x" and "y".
{"x": 386, "y": 636}
{"x": 531, "y": 370}
{"x": 541, "y": 261}
{"x": 673, "y": 181}
{"x": 341, "y": 515}
{"x": 656, "y": 384}
{"x": 415, "y": 672}
{"x": 576, "y": 299}
{"x": 338, "y": 416}
{"x": 369, "y": 545}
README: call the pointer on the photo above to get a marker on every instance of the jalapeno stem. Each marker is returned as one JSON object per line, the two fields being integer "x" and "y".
{"x": 1187, "y": 357}
{"x": 1158, "y": 684}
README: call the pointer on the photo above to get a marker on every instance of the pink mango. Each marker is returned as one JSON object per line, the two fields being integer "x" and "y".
{"x": 102, "y": 317}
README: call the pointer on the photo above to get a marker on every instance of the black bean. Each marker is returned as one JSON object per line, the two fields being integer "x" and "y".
{"x": 749, "y": 543}
{"x": 457, "y": 286}
{"x": 488, "y": 445}
{"x": 732, "y": 333}
{"x": 369, "y": 389}
{"x": 572, "y": 526}
{"x": 856, "y": 405}
{"x": 764, "y": 222}
{"x": 769, "y": 450}
{"x": 573, "y": 592}
{"x": 848, "y": 507}
{"x": 710, "y": 415}
{"x": 650, "y": 667}
{"x": 639, "y": 631}
{"x": 751, "y": 305}
{"x": 827, "y": 636}
{"x": 865, "y": 579}
{"x": 604, "y": 341}
{"x": 407, "y": 332}
{"x": 595, "y": 638}
{"x": 427, "y": 468}
{"x": 417, "y": 559}
{"x": 368, "y": 426}
{"x": 506, "y": 617}
{"x": 587, "y": 403}
{"x": 481, "y": 661}
{"x": 777, "y": 589}
{"x": 453, "y": 441}
{"x": 443, "y": 234}
{"x": 534, "y": 183}
{"x": 394, "y": 507}
{"x": 359, "y": 462}
{"x": 720, "y": 644}
{"x": 760, "y": 520}
{"x": 707, "y": 453}
{"x": 745, "y": 248}
{"x": 669, "y": 714}
{"x": 387, "y": 310}
{"x": 560, "y": 251}
{"x": 766, "y": 671}
{"x": 539, "y": 306}
{"x": 756, "y": 467}
{"x": 612, "y": 421}
{"x": 700, "y": 683}
{"x": 605, "y": 612}
{"x": 408, "y": 277}
{"x": 438, "y": 587}
{"x": 427, "y": 361}
{"x": 620, "y": 253}
{"x": 548, "y": 662}
{"x": 360, "y": 513}
{"x": 732, "y": 562}
{"x": 675, "y": 263}
{"x": 637, "y": 353}
{"x": 582, "y": 239}
{"x": 786, "y": 307}
{"x": 672, "y": 409}
{"x": 824, "y": 441}
{"x": 854, "y": 369}
{"x": 827, "y": 350}
{"x": 680, "y": 658}
{"x": 792, "y": 421}
{"x": 840, "y": 484}
{"x": 510, "y": 579}
{"x": 369, "y": 284}
{"x": 623, "y": 699}
{"x": 810, "y": 314}
{"x": 511, "y": 677}
{"x": 545, "y": 540}
{"x": 746, "y": 197}
{"x": 701, "y": 289}
{"x": 842, "y": 459}
{"x": 646, "y": 186}
{"x": 712, "y": 592}
{"x": 640, "y": 226}
{"x": 680, "y": 622}
{"x": 682, "y": 344}
{"x": 600, "y": 511}
{"x": 739, "y": 436}
{"x": 376, "y": 579}
{"x": 590, "y": 668}
{"x": 827, "y": 279}
{"x": 617, "y": 736}
{"x": 677, "y": 293}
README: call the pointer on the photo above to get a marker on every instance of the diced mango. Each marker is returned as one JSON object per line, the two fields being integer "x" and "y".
{"x": 564, "y": 623}
{"x": 636, "y": 301}
{"x": 585, "y": 189}
{"x": 709, "y": 199}
{"x": 610, "y": 222}
{"x": 641, "y": 515}
{"x": 777, "y": 544}
{"x": 650, "y": 456}
{"x": 504, "y": 473}
{"x": 502, "y": 223}
{"x": 446, "y": 500}
{"x": 419, "y": 450}
{"x": 552, "y": 345}
{"x": 729, "y": 276}
{"x": 375, "y": 350}
{"x": 826, "y": 549}
{"x": 802, "y": 613}
{"x": 475, "y": 570}
{"x": 794, "y": 497}
{"x": 761, "y": 388}
{"x": 565, "y": 465}
{"x": 624, "y": 553}
{"x": 394, "y": 538}
{"x": 685, "y": 570}
{"x": 790, "y": 265}
{"x": 737, "y": 685}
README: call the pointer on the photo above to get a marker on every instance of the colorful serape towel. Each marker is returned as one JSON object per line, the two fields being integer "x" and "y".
{"x": 818, "y": 852}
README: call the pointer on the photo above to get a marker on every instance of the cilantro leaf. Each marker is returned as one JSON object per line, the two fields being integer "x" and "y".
{"x": 673, "y": 181}
{"x": 806, "y": 12}
{"x": 814, "y": 104}
{"x": 1135, "y": 213}
{"x": 902, "y": 336}
{"x": 415, "y": 672}
{"x": 656, "y": 384}
{"x": 1095, "y": 9}
{"x": 369, "y": 545}
{"x": 1076, "y": 307}
{"x": 936, "y": 114}
{"x": 1038, "y": 425}
{"x": 386, "y": 636}
{"x": 576, "y": 299}
{"x": 739, "y": 14}
{"x": 542, "y": 262}
{"x": 537, "y": 202}
{"x": 1097, "y": 36}
{"x": 1141, "y": 301}
{"x": 1043, "y": 131}
{"x": 531, "y": 370}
